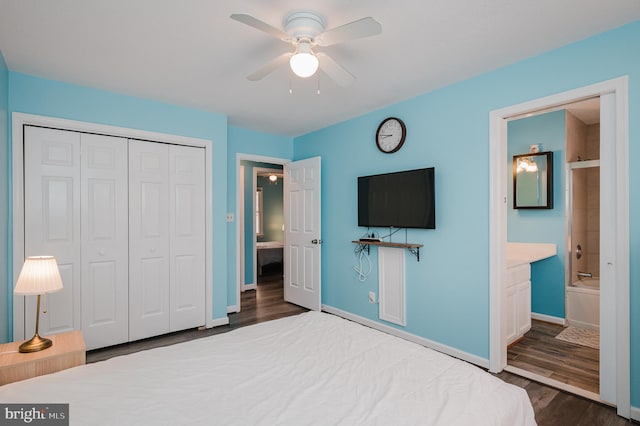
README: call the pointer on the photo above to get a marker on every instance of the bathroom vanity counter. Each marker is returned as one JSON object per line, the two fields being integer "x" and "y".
{"x": 518, "y": 285}
{"x": 521, "y": 253}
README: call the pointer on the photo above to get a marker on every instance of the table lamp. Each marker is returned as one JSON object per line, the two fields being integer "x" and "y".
{"x": 39, "y": 275}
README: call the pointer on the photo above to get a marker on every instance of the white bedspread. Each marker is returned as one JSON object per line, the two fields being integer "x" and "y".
{"x": 313, "y": 368}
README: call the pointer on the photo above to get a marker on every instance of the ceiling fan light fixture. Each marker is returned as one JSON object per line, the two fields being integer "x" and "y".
{"x": 304, "y": 63}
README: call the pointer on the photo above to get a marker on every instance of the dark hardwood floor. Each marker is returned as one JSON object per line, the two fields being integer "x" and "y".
{"x": 264, "y": 304}
{"x": 541, "y": 353}
{"x": 552, "y": 407}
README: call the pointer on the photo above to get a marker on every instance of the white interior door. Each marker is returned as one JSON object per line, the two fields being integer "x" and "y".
{"x": 105, "y": 244}
{"x": 187, "y": 237}
{"x": 302, "y": 251}
{"x": 52, "y": 225}
{"x": 148, "y": 239}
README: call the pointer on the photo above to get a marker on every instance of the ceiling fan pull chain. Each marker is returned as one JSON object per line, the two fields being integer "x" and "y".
{"x": 318, "y": 74}
{"x": 290, "y": 89}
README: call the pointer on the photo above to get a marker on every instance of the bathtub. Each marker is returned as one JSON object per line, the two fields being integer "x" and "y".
{"x": 583, "y": 303}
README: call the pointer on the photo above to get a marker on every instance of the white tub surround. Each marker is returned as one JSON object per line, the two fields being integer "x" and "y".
{"x": 583, "y": 304}
{"x": 517, "y": 313}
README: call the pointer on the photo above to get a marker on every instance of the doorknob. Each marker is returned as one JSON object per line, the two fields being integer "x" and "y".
{"x": 316, "y": 241}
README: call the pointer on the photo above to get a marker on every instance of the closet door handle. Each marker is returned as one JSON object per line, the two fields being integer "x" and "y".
{"x": 316, "y": 241}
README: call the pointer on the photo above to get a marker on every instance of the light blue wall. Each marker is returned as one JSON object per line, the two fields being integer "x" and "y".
{"x": 5, "y": 282}
{"x": 247, "y": 142}
{"x": 541, "y": 226}
{"x": 40, "y": 96}
{"x": 448, "y": 290}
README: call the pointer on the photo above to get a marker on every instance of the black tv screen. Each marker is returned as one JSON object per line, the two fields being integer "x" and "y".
{"x": 400, "y": 200}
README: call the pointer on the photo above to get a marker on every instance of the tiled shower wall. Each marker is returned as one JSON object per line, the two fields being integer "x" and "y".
{"x": 583, "y": 143}
{"x": 593, "y": 202}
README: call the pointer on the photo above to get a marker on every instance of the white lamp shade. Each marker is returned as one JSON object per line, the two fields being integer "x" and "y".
{"x": 39, "y": 275}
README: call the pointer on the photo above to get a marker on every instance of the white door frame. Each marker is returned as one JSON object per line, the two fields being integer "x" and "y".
{"x": 498, "y": 223}
{"x": 17, "y": 143}
{"x": 240, "y": 223}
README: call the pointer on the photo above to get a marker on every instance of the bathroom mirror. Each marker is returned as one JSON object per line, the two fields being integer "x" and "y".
{"x": 533, "y": 181}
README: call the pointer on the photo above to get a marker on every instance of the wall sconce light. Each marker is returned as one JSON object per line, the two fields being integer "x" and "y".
{"x": 527, "y": 165}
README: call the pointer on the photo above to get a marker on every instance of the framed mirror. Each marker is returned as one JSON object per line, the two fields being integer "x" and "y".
{"x": 533, "y": 181}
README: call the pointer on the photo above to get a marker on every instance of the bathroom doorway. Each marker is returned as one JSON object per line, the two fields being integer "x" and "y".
{"x": 563, "y": 342}
{"x": 614, "y": 242}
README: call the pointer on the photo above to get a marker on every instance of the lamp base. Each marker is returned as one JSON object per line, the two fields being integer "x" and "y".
{"x": 35, "y": 344}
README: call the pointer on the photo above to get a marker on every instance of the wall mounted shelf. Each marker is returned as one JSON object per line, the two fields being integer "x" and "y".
{"x": 413, "y": 248}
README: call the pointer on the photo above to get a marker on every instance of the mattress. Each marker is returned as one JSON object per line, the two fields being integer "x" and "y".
{"x": 312, "y": 368}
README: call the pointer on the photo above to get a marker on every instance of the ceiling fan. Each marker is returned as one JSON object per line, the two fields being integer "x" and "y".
{"x": 305, "y": 31}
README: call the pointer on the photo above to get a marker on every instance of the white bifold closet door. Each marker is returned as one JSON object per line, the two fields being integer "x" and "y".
{"x": 125, "y": 220}
{"x": 76, "y": 210}
{"x": 52, "y": 228}
{"x": 166, "y": 238}
{"x": 186, "y": 237}
{"x": 104, "y": 240}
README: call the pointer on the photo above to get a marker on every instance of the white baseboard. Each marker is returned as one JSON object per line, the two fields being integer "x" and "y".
{"x": 217, "y": 322}
{"x": 635, "y": 413}
{"x": 250, "y": 287}
{"x": 548, "y": 318}
{"x": 465, "y": 356}
{"x": 581, "y": 324}
{"x": 232, "y": 309}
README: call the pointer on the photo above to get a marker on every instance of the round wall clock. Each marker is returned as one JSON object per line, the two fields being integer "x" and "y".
{"x": 390, "y": 135}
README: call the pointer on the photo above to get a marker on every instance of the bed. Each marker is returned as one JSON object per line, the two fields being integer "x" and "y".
{"x": 269, "y": 252}
{"x": 313, "y": 368}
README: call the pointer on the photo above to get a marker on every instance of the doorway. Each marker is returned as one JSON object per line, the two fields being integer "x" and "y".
{"x": 562, "y": 343}
{"x": 249, "y": 168}
{"x": 614, "y": 362}
{"x": 268, "y": 224}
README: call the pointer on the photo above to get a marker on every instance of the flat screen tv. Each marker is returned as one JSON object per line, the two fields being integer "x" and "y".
{"x": 401, "y": 200}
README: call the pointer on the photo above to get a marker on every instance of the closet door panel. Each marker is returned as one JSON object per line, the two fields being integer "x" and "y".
{"x": 52, "y": 222}
{"x": 105, "y": 275}
{"x": 187, "y": 236}
{"x": 149, "y": 312}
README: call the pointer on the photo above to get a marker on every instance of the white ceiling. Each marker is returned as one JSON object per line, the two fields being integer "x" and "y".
{"x": 191, "y": 53}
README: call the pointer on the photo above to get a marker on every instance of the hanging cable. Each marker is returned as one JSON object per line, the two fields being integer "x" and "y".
{"x": 362, "y": 275}
{"x": 391, "y": 232}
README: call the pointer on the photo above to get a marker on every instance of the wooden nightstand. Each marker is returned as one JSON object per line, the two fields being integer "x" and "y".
{"x": 68, "y": 351}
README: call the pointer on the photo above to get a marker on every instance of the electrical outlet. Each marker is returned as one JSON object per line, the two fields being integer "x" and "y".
{"x": 229, "y": 217}
{"x": 372, "y": 297}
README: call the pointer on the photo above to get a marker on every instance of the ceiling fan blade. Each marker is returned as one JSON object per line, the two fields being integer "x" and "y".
{"x": 270, "y": 67}
{"x": 334, "y": 71}
{"x": 260, "y": 25}
{"x": 364, "y": 27}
